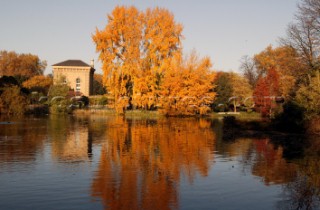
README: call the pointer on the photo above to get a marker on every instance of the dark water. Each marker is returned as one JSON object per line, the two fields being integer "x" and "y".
{"x": 117, "y": 163}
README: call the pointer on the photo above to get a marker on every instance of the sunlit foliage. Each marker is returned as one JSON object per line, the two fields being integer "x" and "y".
{"x": 39, "y": 83}
{"x": 308, "y": 96}
{"x": 142, "y": 57}
{"x": 187, "y": 87}
{"x": 286, "y": 62}
{"x": 21, "y": 66}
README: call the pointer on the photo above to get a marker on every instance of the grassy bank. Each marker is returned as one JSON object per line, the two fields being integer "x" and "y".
{"x": 112, "y": 112}
{"x": 94, "y": 112}
{"x": 241, "y": 116}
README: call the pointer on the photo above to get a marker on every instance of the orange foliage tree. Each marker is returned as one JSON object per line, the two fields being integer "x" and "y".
{"x": 187, "y": 87}
{"x": 38, "y": 83}
{"x": 139, "y": 51}
{"x": 286, "y": 62}
{"x": 21, "y": 66}
{"x": 135, "y": 48}
{"x": 119, "y": 46}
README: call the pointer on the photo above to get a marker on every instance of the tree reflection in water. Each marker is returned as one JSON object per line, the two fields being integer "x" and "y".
{"x": 299, "y": 176}
{"x": 304, "y": 191}
{"x": 142, "y": 161}
{"x": 20, "y": 140}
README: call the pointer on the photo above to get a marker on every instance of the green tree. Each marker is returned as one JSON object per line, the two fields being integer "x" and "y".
{"x": 232, "y": 89}
{"x": 308, "y": 96}
{"x": 59, "y": 101}
{"x": 223, "y": 89}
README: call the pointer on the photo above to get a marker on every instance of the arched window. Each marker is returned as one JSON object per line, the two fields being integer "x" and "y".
{"x": 78, "y": 85}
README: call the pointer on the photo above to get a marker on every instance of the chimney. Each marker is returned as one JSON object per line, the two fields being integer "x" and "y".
{"x": 92, "y": 63}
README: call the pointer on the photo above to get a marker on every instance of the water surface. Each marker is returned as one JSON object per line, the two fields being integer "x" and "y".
{"x": 59, "y": 162}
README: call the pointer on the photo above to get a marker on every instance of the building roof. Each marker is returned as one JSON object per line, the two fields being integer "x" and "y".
{"x": 72, "y": 63}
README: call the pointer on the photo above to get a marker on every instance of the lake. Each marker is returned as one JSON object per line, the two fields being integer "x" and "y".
{"x": 110, "y": 162}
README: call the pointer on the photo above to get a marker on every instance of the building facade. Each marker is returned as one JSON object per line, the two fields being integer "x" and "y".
{"x": 76, "y": 74}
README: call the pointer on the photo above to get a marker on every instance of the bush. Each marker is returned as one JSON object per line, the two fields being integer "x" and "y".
{"x": 58, "y": 99}
{"x": 308, "y": 97}
{"x": 291, "y": 119}
{"x": 12, "y": 101}
{"x": 98, "y": 100}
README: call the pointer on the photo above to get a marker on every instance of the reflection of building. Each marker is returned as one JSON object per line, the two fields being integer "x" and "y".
{"x": 76, "y": 73}
{"x": 76, "y": 147}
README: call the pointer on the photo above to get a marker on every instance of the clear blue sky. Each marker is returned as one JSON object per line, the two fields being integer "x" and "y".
{"x": 224, "y": 30}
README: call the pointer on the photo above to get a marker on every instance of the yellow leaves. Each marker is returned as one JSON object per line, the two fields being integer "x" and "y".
{"x": 25, "y": 65}
{"x": 162, "y": 35}
{"x": 285, "y": 61}
{"x": 240, "y": 86}
{"x": 187, "y": 87}
{"x": 38, "y": 81}
{"x": 141, "y": 55}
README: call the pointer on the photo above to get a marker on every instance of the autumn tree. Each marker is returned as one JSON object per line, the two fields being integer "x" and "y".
{"x": 13, "y": 101}
{"x": 21, "y": 66}
{"x": 241, "y": 89}
{"x": 119, "y": 47}
{"x": 266, "y": 90}
{"x": 162, "y": 38}
{"x": 39, "y": 83}
{"x": 187, "y": 87}
{"x": 286, "y": 62}
{"x": 135, "y": 49}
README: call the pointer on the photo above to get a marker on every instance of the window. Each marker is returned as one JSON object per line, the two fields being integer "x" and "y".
{"x": 78, "y": 84}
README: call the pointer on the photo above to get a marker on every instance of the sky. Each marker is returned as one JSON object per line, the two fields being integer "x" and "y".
{"x": 224, "y": 30}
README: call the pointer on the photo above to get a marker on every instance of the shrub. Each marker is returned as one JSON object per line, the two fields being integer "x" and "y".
{"x": 12, "y": 101}
{"x": 59, "y": 101}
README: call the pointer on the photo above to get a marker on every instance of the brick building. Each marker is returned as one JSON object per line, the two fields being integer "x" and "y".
{"x": 75, "y": 73}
